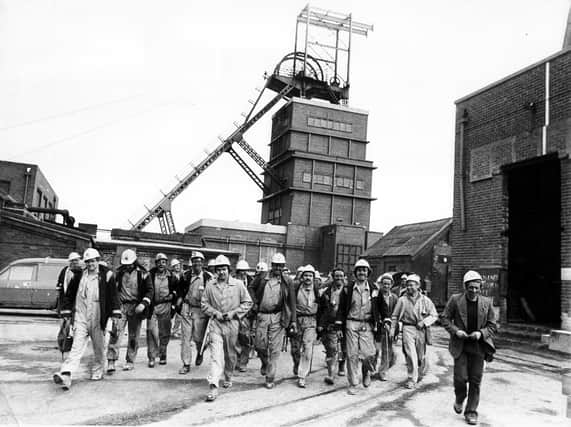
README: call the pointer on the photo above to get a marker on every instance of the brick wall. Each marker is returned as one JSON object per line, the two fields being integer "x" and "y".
{"x": 504, "y": 125}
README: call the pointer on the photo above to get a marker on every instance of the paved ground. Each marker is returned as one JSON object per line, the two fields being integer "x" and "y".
{"x": 520, "y": 388}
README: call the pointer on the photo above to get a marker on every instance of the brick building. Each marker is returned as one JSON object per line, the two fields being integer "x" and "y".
{"x": 26, "y": 184}
{"x": 512, "y": 192}
{"x": 423, "y": 248}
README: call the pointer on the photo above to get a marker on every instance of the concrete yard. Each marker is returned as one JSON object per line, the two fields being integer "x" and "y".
{"x": 521, "y": 387}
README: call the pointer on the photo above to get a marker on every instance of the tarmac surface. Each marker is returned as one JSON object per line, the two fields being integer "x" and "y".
{"x": 520, "y": 388}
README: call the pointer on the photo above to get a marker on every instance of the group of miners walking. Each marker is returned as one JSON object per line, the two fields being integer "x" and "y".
{"x": 358, "y": 322}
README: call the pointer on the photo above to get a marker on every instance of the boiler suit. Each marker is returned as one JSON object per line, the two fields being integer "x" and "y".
{"x": 302, "y": 343}
{"x": 230, "y": 298}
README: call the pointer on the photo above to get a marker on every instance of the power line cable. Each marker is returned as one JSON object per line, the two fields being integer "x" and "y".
{"x": 68, "y": 113}
{"x": 88, "y": 131}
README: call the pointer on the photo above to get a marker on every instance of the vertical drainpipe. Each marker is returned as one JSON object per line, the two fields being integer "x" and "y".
{"x": 463, "y": 122}
{"x": 546, "y": 121}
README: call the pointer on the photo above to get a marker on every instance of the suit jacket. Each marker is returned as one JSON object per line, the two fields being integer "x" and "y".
{"x": 455, "y": 317}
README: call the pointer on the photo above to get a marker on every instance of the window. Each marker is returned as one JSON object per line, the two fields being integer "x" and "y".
{"x": 344, "y": 182}
{"x": 360, "y": 184}
{"x": 22, "y": 272}
{"x": 306, "y": 177}
{"x": 40, "y": 195}
{"x": 329, "y": 124}
{"x": 347, "y": 256}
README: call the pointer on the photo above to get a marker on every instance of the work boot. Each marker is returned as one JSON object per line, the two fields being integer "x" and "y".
{"x": 110, "y": 366}
{"x": 366, "y": 379}
{"x": 128, "y": 366}
{"x": 212, "y": 393}
{"x": 301, "y": 382}
{"x": 63, "y": 379}
{"x": 184, "y": 370}
{"x": 227, "y": 384}
{"x": 96, "y": 377}
{"x": 163, "y": 360}
{"x": 341, "y": 371}
{"x": 329, "y": 378}
{"x": 198, "y": 360}
{"x": 382, "y": 376}
{"x": 151, "y": 363}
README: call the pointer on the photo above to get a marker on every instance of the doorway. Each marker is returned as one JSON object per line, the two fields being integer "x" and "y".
{"x": 534, "y": 263}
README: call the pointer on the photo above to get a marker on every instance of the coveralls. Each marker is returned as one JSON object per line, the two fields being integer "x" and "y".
{"x": 193, "y": 320}
{"x": 159, "y": 324}
{"x": 87, "y": 324}
{"x": 230, "y": 298}
{"x": 331, "y": 337}
{"x": 302, "y": 343}
{"x": 410, "y": 311}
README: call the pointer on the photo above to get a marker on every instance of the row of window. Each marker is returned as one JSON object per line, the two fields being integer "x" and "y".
{"x": 329, "y": 124}
{"x": 340, "y": 181}
{"x": 275, "y": 215}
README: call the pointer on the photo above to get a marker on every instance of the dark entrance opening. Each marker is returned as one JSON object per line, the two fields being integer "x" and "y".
{"x": 534, "y": 265}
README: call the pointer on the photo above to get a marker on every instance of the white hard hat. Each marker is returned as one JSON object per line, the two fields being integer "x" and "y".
{"x": 362, "y": 263}
{"x": 160, "y": 256}
{"x": 308, "y": 269}
{"x": 91, "y": 253}
{"x": 73, "y": 255}
{"x": 471, "y": 275}
{"x": 196, "y": 254}
{"x": 221, "y": 260}
{"x": 317, "y": 275}
{"x": 413, "y": 278}
{"x": 211, "y": 262}
{"x": 174, "y": 262}
{"x": 128, "y": 257}
{"x": 385, "y": 276}
{"x": 242, "y": 265}
{"x": 261, "y": 266}
{"x": 103, "y": 263}
{"x": 278, "y": 258}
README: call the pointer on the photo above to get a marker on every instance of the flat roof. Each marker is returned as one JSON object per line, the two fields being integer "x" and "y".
{"x": 323, "y": 104}
{"x": 236, "y": 225}
{"x": 511, "y": 76}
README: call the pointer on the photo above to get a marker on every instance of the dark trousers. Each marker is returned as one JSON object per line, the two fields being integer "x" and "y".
{"x": 468, "y": 371}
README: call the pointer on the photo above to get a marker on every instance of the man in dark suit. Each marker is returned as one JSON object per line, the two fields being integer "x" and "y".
{"x": 470, "y": 320}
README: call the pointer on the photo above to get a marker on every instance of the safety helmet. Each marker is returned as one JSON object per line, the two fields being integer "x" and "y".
{"x": 73, "y": 255}
{"x": 362, "y": 263}
{"x": 196, "y": 254}
{"x": 128, "y": 257}
{"x": 413, "y": 278}
{"x": 471, "y": 275}
{"x": 211, "y": 262}
{"x": 278, "y": 258}
{"x": 317, "y": 275}
{"x": 91, "y": 253}
{"x": 174, "y": 262}
{"x": 403, "y": 276}
{"x": 385, "y": 276}
{"x": 261, "y": 266}
{"x": 242, "y": 265}
{"x": 221, "y": 260}
{"x": 103, "y": 263}
{"x": 308, "y": 269}
{"x": 160, "y": 256}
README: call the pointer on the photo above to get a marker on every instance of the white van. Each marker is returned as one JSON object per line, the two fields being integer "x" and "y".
{"x": 31, "y": 283}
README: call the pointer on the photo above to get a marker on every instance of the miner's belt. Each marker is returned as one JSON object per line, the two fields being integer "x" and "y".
{"x": 409, "y": 324}
{"x": 163, "y": 301}
{"x": 358, "y": 320}
{"x": 130, "y": 302}
{"x": 306, "y": 315}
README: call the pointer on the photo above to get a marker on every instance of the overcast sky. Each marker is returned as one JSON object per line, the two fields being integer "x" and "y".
{"x": 112, "y": 99}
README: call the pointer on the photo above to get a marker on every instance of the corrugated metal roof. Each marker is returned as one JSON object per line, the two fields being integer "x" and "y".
{"x": 408, "y": 239}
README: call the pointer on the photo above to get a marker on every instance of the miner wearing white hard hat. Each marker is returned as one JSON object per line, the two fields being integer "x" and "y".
{"x": 384, "y": 342}
{"x": 331, "y": 336}
{"x": 210, "y": 266}
{"x": 159, "y": 317}
{"x": 91, "y": 299}
{"x": 470, "y": 320}
{"x": 65, "y": 276}
{"x": 193, "y": 320}
{"x": 416, "y": 313}
{"x": 225, "y": 300}
{"x": 135, "y": 293}
{"x": 274, "y": 302}
{"x": 307, "y": 305}
{"x": 245, "y": 338}
{"x": 358, "y": 315}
